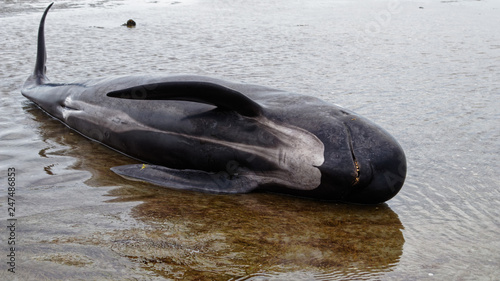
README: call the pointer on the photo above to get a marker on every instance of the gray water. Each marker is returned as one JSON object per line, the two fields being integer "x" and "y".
{"x": 427, "y": 71}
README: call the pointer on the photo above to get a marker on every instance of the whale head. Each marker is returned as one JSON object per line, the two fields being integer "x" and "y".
{"x": 363, "y": 163}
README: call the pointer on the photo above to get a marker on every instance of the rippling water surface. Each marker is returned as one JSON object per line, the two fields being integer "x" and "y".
{"x": 427, "y": 71}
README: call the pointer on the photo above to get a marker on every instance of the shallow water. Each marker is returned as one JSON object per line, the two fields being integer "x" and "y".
{"x": 427, "y": 71}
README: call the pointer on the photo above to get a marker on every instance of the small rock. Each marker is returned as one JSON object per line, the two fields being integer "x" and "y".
{"x": 130, "y": 23}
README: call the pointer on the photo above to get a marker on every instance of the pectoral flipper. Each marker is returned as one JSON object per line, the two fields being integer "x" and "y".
{"x": 196, "y": 180}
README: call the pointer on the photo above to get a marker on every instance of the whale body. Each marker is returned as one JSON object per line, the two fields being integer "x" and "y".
{"x": 205, "y": 134}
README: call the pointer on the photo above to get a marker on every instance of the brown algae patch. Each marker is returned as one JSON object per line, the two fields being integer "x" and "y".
{"x": 193, "y": 235}
{"x": 69, "y": 259}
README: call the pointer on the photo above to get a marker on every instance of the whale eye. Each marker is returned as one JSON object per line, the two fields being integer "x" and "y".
{"x": 265, "y": 138}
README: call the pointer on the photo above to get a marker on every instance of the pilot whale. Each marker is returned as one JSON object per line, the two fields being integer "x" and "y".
{"x": 205, "y": 134}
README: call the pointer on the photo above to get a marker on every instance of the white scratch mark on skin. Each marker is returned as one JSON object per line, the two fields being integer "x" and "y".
{"x": 297, "y": 157}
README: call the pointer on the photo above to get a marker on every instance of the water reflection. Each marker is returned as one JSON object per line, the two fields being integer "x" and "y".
{"x": 192, "y": 235}
{"x": 196, "y": 234}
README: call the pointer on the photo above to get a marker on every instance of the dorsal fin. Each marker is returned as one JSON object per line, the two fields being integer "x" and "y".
{"x": 202, "y": 92}
{"x": 41, "y": 55}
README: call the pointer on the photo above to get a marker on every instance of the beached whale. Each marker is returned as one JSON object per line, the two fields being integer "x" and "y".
{"x": 205, "y": 134}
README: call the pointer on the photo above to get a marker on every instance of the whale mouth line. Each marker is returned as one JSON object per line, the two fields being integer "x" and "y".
{"x": 357, "y": 175}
